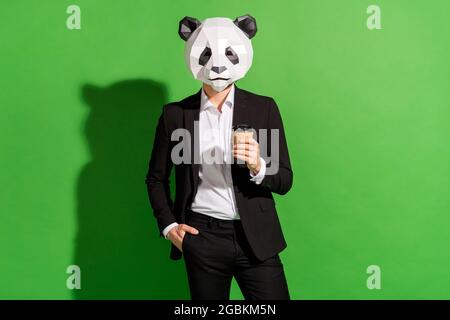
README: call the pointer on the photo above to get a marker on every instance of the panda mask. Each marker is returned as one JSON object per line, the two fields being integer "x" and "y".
{"x": 218, "y": 50}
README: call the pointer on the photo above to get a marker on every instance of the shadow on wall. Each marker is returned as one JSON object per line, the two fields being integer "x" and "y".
{"x": 118, "y": 247}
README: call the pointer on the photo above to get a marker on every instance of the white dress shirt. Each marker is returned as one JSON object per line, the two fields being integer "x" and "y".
{"x": 215, "y": 195}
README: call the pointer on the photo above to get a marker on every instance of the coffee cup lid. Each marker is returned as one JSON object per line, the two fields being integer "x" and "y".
{"x": 243, "y": 127}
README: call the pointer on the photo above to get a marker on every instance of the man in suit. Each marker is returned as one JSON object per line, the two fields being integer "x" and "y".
{"x": 223, "y": 219}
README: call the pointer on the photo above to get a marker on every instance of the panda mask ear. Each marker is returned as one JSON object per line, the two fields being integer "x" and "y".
{"x": 247, "y": 24}
{"x": 187, "y": 26}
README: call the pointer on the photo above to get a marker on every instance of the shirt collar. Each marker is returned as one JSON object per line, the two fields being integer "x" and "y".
{"x": 229, "y": 101}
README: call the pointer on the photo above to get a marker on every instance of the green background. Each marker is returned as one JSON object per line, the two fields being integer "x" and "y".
{"x": 366, "y": 114}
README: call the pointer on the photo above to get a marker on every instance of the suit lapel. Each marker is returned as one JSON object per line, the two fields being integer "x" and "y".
{"x": 191, "y": 116}
{"x": 240, "y": 107}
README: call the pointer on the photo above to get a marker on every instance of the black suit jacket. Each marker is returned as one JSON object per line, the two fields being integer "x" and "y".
{"x": 255, "y": 203}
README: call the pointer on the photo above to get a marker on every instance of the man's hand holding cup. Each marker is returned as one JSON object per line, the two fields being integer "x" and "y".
{"x": 246, "y": 148}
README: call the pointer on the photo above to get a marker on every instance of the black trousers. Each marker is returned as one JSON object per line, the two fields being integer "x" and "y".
{"x": 220, "y": 252}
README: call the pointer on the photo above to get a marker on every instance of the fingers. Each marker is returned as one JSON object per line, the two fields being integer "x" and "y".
{"x": 250, "y": 154}
{"x": 187, "y": 228}
{"x": 248, "y": 151}
{"x": 251, "y": 145}
{"x": 250, "y": 141}
{"x": 176, "y": 240}
{"x": 244, "y": 158}
{"x": 250, "y": 157}
{"x": 245, "y": 146}
{"x": 177, "y": 234}
{"x": 180, "y": 231}
{"x": 251, "y": 160}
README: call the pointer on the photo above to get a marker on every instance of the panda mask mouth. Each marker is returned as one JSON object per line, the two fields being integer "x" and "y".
{"x": 215, "y": 79}
{"x": 218, "y": 51}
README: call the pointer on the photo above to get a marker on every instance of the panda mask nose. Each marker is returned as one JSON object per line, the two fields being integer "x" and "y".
{"x": 219, "y": 70}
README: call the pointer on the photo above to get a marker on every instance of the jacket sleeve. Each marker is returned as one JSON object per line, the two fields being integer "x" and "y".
{"x": 157, "y": 179}
{"x": 281, "y": 181}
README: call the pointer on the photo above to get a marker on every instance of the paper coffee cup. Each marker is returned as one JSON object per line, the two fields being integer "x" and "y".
{"x": 242, "y": 136}
{"x": 242, "y": 133}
